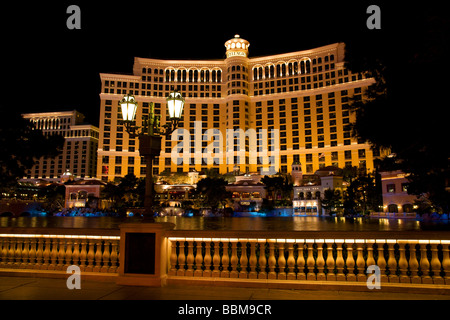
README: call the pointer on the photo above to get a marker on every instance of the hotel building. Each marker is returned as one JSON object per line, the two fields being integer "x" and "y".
{"x": 79, "y": 155}
{"x": 280, "y": 109}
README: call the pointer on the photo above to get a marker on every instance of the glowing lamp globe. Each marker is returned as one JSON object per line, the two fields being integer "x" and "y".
{"x": 129, "y": 106}
{"x": 175, "y": 103}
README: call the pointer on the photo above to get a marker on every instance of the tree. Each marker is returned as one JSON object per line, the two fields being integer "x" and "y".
{"x": 362, "y": 195}
{"x": 403, "y": 112}
{"x": 54, "y": 196}
{"x": 331, "y": 201}
{"x": 212, "y": 192}
{"x": 22, "y": 145}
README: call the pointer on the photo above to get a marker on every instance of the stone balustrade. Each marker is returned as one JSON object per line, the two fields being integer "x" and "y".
{"x": 400, "y": 261}
{"x": 92, "y": 253}
{"x": 258, "y": 256}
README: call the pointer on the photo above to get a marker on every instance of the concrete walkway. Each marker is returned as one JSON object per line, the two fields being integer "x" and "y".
{"x": 27, "y": 288}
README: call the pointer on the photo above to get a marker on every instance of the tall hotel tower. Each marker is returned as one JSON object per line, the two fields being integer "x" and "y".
{"x": 257, "y": 114}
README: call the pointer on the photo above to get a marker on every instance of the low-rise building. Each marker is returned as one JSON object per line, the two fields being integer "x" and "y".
{"x": 395, "y": 192}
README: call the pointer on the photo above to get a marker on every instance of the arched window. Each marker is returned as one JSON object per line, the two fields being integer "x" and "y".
{"x": 308, "y": 66}
{"x": 219, "y": 76}
{"x": 266, "y": 72}
{"x": 408, "y": 208}
{"x": 202, "y": 75}
{"x": 255, "y": 74}
{"x": 195, "y": 75}
{"x": 167, "y": 75}
{"x": 179, "y": 76}
{"x": 272, "y": 71}
{"x": 184, "y": 76}
{"x": 393, "y": 208}
{"x": 278, "y": 70}
{"x": 302, "y": 67}
{"x": 191, "y": 75}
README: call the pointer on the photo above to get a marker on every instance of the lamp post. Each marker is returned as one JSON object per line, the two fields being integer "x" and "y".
{"x": 150, "y": 135}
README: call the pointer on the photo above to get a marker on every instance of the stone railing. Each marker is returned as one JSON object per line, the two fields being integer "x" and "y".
{"x": 55, "y": 252}
{"x": 418, "y": 261}
{"x": 243, "y": 257}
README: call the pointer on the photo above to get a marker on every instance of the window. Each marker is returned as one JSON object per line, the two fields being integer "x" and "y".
{"x": 390, "y": 188}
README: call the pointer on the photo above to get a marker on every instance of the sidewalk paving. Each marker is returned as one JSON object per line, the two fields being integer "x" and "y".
{"x": 27, "y": 288}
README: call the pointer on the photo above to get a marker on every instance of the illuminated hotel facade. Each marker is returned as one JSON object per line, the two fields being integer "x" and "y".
{"x": 79, "y": 154}
{"x": 277, "y": 110}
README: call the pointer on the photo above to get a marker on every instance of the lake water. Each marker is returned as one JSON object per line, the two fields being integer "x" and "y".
{"x": 238, "y": 223}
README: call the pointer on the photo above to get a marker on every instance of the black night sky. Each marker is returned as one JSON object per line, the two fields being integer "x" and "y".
{"x": 50, "y": 68}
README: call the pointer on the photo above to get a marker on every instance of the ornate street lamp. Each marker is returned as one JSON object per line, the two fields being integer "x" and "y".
{"x": 150, "y": 135}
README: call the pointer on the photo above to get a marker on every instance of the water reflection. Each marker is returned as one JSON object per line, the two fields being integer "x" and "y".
{"x": 236, "y": 223}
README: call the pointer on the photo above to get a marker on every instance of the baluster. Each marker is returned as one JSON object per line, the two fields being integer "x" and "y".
{"x": 83, "y": 254}
{"x": 76, "y": 251}
{"x": 392, "y": 263}
{"x": 301, "y": 275}
{"x": 68, "y": 253}
{"x": 424, "y": 263}
{"x": 181, "y": 257}
{"x": 25, "y": 253}
{"x": 381, "y": 261}
{"x": 360, "y": 263}
{"x": 114, "y": 256}
{"x": 4, "y": 251}
{"x": 234, "y": 259}
{"x": 370, "y": 259}
{"x": 310, "y": 260}
{"x": 46, "y": 253}
{"x": 198, "y": 258}
{"x": 216, "y": 258}
{"x": 106, "y": 255}
{"x": 12, "y": 251}
{"x": 320, "y": 261}
{"x": 90, "y": 256}
{"x": 446, "y": 260}
{"x": 262, "y": 259}
{"x": 350, "y": 262}
{"x": 290, "y": 260}
{"x": 435, "y": 263}
{"x": 61, "y": 254}
{"x": 18, "y": 252}
{"x": 271, "y": 261}
{"x": 402, "y": 262}
{"x": 281, "y": 259}
{"x": 340, "y": 263}
{"x": 243, "y": 260}
{"x": 39, "y": 252}
{"x": 173, "y": 257}
{"x": 54, "y": 254}
{"x": 413, "y": 262}
{"x": 98, "y": 255}
{"x": 330, "y": 260}
{"x": 32, "y": 254}
{"x": 225, "y": 259}
{"x": 190, "y": 258}
{"x": 207, "y": 259}
{"x": 252, "y": 259}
